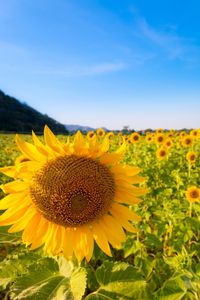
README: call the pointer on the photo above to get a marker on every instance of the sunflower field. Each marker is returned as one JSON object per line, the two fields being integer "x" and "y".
{"x": 102, "y": 216}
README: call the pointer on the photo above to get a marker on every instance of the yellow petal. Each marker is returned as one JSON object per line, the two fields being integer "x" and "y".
{"x": 40, "y": 233}
{"x": 15, "y": 186}
{"x": 126, "y": 170}
{"x": 29, "y": 150}
{"x": 125, "y": 212}
{"x": 68, "y": 242}
{"x": 80, "y": 145}
{"x": 126, "y": 198}
{"x": 52, "y": 141}
{"x": 12, "y": 200}
{"x": 10, "y": 217}
{"x": 113, "y": 231}
{"x": 22, "y": 223}
{"x": 9, "y": 171}
{"x": 100, "y": 238}
{"x": 29, "y": 232}
{"x": 105, "y": 145}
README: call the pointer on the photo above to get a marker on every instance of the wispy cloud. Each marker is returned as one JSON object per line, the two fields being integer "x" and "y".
{"x": 166, "y": 41}
{"x": 86, "y": 70}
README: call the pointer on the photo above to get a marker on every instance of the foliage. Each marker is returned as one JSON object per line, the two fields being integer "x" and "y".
{"x": 161, "y": 261}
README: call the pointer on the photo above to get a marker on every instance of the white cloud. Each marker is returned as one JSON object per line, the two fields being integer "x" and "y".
{"x": 84, "y": 70}
{"x": 166, "y": 40}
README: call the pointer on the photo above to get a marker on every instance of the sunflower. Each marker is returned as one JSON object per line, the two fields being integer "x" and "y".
{"x": 100, "y": 132}
{"x": 67, "y": 196}
{"x": 149, "y": 138}
{"x": 193, "y": 194}
{"x": 90, "y": 135}
{"x": 194, "y": 132}
{"x": 159, "y": 130}
{"x": 161, "y": 153}
{"x": 191, "y": 156}
{"x": 187, "y": 141}
{"x": 135, "y": 137}
{"x": 168, "y": 143}
{"x": 159, "y": 138}
{"x": 110, "y": 135}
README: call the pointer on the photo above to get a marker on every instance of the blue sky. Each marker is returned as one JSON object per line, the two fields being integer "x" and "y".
{"x": 104, "y": 62}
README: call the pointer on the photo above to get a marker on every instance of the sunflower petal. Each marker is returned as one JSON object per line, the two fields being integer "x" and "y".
{"x": 29, "y": 150}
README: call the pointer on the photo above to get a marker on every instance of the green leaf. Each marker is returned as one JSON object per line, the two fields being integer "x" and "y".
{"x": 173, "y": 289}
{"x": 44, "y": 281}
{"x": 119, "y": 281}
{"x": 78, "y": 283}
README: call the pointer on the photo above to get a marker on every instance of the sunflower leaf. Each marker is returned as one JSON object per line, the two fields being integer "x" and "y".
{"x": 44, "y": 281}
{"x": 119, "y": 281}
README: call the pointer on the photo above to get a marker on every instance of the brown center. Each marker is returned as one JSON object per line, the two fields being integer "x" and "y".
{"x": 194, "y": 194}
{"x": 73, "y": 190}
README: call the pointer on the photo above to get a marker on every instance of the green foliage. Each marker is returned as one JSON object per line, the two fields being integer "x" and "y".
{"x": 160, "y": 262}
{"x": 119, "y": 281}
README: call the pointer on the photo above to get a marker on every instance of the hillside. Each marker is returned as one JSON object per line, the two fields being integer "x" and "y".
{"x": 19, "y": 117}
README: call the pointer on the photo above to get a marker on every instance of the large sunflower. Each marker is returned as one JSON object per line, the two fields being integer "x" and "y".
{"x": 66, "y": 196}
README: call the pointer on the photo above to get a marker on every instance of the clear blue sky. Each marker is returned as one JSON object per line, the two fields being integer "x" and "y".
{"x": 104, "y": 62}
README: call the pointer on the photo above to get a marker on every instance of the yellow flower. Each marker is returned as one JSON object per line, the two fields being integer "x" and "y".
{"x": 135, "y": 137}
{"x": 193, "y": 194}
{"x": 168, "y": 143}
{"x": 187, "y": 141}
{"x": 161, "y": 153}
{"x": 90, "y": 135}
{"x": 159, "y": 130}
{"x": 159, "y": 138}
{"x": 110, "y": 135}
{"x": 191, "y": 156}
{"x": 100, "y": 132}
{"x": 149, "y": 138}
{"x": 68, "y": 195}
{"x": 194, "y": 132}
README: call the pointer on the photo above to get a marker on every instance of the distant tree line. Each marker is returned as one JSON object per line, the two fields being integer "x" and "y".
{"x": 19, "y": 117}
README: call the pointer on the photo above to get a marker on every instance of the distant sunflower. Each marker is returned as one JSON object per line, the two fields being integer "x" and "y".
{"x": 168, "y": 143}
{"x": 191, "y": 156}
{"x": 90, "y": 135}
{"x": 110, "y": 134}
{"x": 100, "y": 132}
{"x": 193, "y": 194}
{"x": 159, "y": 130}
{"x": 68, "y": 195}
{"x": 149, "y": 138}
{"x": 159, "y": 138}
{"x": 194, "y": 132}
{"x": 161, "y": 153}
{"x": 135, "y": 137}
{"x": 187, "y": 141}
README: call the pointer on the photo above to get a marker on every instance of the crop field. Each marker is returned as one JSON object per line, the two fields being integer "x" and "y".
{"x": 155, "y": 255}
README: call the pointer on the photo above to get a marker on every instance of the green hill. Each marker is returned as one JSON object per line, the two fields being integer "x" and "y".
{"x": 19, "y": 117}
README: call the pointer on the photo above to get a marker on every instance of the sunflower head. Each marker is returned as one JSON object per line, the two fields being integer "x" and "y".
{"x": 159, "y": 130}
{"x": 194, "y": 132}
{"x": 66, "y": 196}
{"x": 168, "y": 143}
{"x": 110, "y": 135}
{"x": 90, "y": 135}
{"x": 100, "y": 132}
{"x": 187, "y": 141}
{"x": 191, "y": 156}
{"x": 161, "y": 153}
{"x": 159, "y": 138}
{"x": 193, "y": 194}
{"x": 135, "y": 137}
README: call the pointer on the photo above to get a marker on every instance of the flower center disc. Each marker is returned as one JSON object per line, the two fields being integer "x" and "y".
{"x": 73, "y": 190}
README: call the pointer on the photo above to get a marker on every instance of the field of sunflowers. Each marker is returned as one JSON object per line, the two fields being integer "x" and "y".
{"x": 141, "y": 242}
